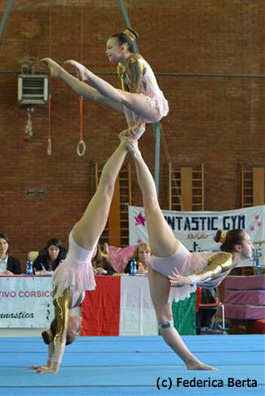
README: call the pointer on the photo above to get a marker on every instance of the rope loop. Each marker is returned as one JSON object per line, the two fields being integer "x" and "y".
{"x": 81, "y": 148}
{"x": 49, "y": 147}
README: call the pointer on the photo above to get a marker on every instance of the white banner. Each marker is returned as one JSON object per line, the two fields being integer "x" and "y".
{"x": 197, "y": 229}
{"x": 137, "y": 314}
{"x": 25, "y": 302}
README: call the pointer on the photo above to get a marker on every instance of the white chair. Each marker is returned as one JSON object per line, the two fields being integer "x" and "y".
{"x": 32, "y": 255}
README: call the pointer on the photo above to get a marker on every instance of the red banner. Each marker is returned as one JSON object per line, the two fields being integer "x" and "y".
{"x": 101, "y": 308}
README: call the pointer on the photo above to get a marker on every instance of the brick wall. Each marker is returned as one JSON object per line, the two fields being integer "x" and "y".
{"x": 199, "y": 50}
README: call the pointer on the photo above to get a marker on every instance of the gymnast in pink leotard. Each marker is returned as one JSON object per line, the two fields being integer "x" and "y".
{"x": 75, "y": 274}
{"x": 174, "y": 272}
{"x": 140, "y": 99}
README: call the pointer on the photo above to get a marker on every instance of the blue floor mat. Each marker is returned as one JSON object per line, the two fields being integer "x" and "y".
{"x": 135, "y": 366}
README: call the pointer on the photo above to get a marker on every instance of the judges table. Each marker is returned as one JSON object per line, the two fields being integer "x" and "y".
{"x": 120, "y": 305}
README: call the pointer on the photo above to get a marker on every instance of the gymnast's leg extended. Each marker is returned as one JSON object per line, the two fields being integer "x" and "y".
{"x": 91, "y": 225}
{"x": 80, "y": 87}
{"x": 163, "y": 244}
{"x": 133, "y": 101}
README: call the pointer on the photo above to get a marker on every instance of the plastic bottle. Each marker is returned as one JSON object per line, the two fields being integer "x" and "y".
{"x": 133, "y": 267}
{"x": 29, "y": 268}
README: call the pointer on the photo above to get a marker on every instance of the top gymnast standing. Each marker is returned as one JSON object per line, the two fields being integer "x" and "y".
{"x": 140, "y": 100}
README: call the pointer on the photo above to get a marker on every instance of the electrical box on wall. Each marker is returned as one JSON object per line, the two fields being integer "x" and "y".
{"x": 33, "y": 89}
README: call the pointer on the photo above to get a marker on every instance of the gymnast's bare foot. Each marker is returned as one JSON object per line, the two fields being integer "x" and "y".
{"x": 200, "y": 366}
{"x": 55, "y": 69}
{"x": 81, "y": 70}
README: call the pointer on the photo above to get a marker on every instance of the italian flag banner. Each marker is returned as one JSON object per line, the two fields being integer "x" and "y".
{"x": 121, "y": 305}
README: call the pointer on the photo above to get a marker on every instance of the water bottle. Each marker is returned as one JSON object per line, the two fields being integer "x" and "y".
{"x": 29, "y": 268}
{"x": 133, "y": 267}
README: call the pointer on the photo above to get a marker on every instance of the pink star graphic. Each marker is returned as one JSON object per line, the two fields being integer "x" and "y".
{"x": 139, "y": 220}
{"x": 252, "y": 228}
{"x": 256, "y": 217}
{"x": 259, "y": 224}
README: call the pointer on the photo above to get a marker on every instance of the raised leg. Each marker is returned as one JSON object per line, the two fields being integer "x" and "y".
{"x": 162, "y": 243}
{"x": 89, "y": 228}
{"x": 133, "y": 101}
{"x": 161, "y": 238}
{"x": 80, "y": 87}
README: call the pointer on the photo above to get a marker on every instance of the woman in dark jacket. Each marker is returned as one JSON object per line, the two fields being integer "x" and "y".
{"x": 9, "y": 265}
{"x": 50, "y": 257}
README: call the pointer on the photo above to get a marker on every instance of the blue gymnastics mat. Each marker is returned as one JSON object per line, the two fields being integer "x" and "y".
{"x": 142, "y": 366}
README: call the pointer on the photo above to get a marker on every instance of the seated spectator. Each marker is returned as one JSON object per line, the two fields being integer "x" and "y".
{"x": 141, "y": 255}
{"x": 50, "y": 257}
{"x": 9, "y": 265}
{"x": 100, "y": 262}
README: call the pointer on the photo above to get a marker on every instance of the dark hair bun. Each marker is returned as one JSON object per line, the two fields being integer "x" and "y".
{"x": 217, "y": 236}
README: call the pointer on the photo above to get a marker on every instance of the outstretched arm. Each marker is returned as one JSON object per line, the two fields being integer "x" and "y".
{"x": 56, "y": 347}
{"x": 217, "y": 264}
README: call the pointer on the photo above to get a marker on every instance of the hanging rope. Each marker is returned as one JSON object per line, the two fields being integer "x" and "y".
{"x": 81, "y": 31}
{"x": 49, "y": 142}
{"x": 81, "y": 147}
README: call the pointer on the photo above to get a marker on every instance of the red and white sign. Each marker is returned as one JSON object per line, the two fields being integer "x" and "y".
{"x": 25, "y": 302}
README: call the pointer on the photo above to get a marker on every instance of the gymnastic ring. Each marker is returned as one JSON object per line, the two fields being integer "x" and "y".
{"x": 49, "y": 147}
{"x": 81, "y": 148}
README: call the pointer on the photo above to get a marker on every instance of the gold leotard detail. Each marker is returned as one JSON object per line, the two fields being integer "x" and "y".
{"x": 62, "y": 304}
{"x": 120, "y": 71}
{"x": 217, "y": 264}
{"x": 134, "y": 70}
